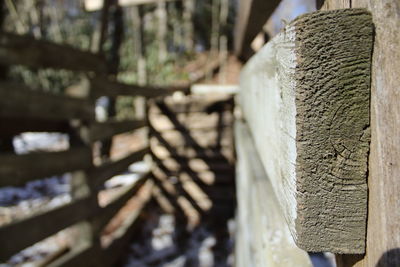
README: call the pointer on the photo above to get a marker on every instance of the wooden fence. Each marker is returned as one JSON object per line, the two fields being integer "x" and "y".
{"x": 23, "y": 109}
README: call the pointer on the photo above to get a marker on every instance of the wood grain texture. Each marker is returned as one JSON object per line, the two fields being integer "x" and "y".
{"x": 16, "y": 100}
{"x": 306, "y": 98}
{"x": 25, "y": 50}
{"x": 16, "y": 170}
{"x": 264, "y": 238}
{"x": 383, "y": 239}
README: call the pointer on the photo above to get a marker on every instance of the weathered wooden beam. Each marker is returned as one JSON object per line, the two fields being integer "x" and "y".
{"x": 103, "y": 130}
{"x": 102, "y": 86}
{"x": 16, "y": 100}
{"x": 15, "y": 170}
{"x": 306, "y": 98}
{"x": 383, "y": 239}
{"x": 252, "y": 15}
{"x": 13, "y": 126}
{"x": 263, "y": 236}
{"x": 22, "y": 234}
{"x": 25, "y": 50}
{"x": 104, "y": 172}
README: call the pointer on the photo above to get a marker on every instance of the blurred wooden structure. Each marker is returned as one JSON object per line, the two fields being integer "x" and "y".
{"x": 26, "y": 110}
{"x": 191, "y": 147}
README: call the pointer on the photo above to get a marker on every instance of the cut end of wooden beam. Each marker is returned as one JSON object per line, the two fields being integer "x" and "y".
{"x": 333, "y": 86}
{"x": 306, "y": 98}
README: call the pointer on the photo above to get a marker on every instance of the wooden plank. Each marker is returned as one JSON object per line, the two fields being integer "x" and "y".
{"x": 78, "y": 257}
{"x": 17, "y": 100}
{"x": 22, "y": 234}
{"x": 196, "y": 103}
{"x": 132, "y": 224}
{"x": 383, "y": 239}
{"x": 106, "y": 213}
{"x": 306, "y": 98}
{"x": 15, "y": 170}
{"x": 104, "y": 172}
{"x": 13, "y": 126}
{"x": 264, "y": 237}
{"x": 104, "y": 130}
{"x": 25, "y": 50}
{"x": 102, "y": 86}
{"x": 252, "y": 15}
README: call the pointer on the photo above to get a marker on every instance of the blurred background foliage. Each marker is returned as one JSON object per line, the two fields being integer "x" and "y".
{"x": 67, "y": 22}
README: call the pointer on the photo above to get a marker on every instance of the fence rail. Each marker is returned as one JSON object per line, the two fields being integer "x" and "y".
{"x": 23, "y": 109}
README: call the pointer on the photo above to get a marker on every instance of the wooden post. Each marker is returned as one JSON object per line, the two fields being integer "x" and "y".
{"x": 383, "y": 240}
{"x": 306, "y": 98}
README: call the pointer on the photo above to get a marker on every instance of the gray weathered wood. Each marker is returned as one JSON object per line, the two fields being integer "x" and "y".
{"x": 104, "y": 172}
{"x": 15, "y": 170}
{"x": 102, "y": 86}
{"x": 306, "y": 98}
{"x": 252, "y": 15}
{"x": 25, "y": 50}
{"x": 383, "y": 227}
{"x": 263, "y": 236}
{"x": 21, "y": 234}
{"x": 103, "y": 130}
{"x": 16, "y": 100}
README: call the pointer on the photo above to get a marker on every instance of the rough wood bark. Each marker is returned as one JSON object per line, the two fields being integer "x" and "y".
{"x": 306, "y": 97}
